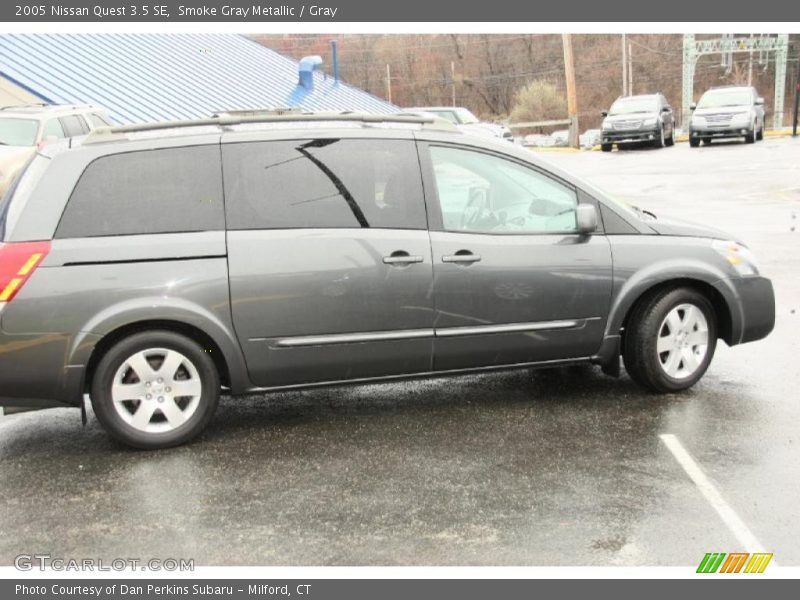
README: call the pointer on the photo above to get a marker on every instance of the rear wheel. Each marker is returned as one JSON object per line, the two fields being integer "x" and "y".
{"x": 670, "y": 340}
{"x": 155, "y": 389}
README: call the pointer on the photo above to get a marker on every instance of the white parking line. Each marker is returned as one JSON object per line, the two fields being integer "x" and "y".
{"x": 715, "y": 499}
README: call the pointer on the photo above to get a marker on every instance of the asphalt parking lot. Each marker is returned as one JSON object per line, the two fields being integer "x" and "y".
{"x": 559, "y": 467}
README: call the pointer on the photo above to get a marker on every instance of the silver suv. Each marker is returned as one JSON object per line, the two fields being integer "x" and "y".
{"x": 635, "y": 119}
{"x": 727, "y": 112}
{"x": 153, "y": 267}
{"x": 25, "y": 127}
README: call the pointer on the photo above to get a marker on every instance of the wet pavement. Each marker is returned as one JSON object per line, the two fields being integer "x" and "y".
{"x": 557, "y": 467}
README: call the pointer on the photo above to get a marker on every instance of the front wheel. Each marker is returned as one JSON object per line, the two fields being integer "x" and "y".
{"x": 660, "y": 140}
{"x": 606, "y": 147}
{"x": 760, "y": 135}
{"x": 751, "y": 136}
{"x": 694, "y": 142}
{"x": 670, "y": 340}
{"x": 155, "y": 389}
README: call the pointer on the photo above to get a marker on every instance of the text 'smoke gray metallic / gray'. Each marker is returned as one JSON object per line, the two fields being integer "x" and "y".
{"x": 155, "y": 266}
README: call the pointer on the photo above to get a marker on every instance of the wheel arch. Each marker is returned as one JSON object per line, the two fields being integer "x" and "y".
{"x": 726, "y": 328}
{"x": 190, "y": 331}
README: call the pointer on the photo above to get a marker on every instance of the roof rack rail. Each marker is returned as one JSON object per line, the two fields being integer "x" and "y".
{"x": 29, "y": 104}
{"x": 108, "y": 134}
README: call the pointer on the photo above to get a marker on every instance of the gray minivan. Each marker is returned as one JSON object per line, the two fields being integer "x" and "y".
{"x": 154, "y": 266}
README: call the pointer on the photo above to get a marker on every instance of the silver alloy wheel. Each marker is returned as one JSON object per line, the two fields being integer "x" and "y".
{"x": 156, "y": 390}
{"x": 682, "y": 341}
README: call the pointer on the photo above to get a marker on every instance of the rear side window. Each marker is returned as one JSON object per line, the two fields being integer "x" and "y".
{"x": 328, "y": 183}
{"x": 169, "y": 190}
{"x": 74, "y": 125}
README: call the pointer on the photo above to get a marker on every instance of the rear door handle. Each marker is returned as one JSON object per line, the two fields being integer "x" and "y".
{"x": 462, "y": 256}
{"x": 401, "y": 257}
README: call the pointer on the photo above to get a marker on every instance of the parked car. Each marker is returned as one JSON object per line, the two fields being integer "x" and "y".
{"x": 24, "y": 128}
{"x": 635, "y": 119}
{"x": 560, "y": 137}
{"x": 590, "y": 138}
{"x": 155, "y": 271}
{"x": 538, "y": 140}
{"x": 466, "y": 121}
{"x": 727, "y": 112}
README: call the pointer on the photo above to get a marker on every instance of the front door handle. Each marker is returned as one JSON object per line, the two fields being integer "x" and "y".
{"x": 401, "y": 257}
{"x": 462, "y": 256}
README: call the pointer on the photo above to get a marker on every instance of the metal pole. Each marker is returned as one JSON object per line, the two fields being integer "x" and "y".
{"x": 781, "y": 54}
{"x": 630, "y": 69}
{"x": 689, "y": 61}
{"x": 572, "y": 97}
{"x": 624, "y": 66}
{"x": 388, "y": 83}
{"x": 453, "y": 81}
{"x": 796, "y": 96}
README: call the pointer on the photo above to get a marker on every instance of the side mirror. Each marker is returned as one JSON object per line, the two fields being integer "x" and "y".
{"x": 693, "y": 105}
{"x": 603, "y": 113}
{"x": 586, "y": 218}
{"x": 759, "y": 101}
{"x": 666, "y": 109}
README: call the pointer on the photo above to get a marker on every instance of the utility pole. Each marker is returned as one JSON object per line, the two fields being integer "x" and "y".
{"x": 572, "y": 98}
{"x": 630, "y": 69}
{"x": 624, "y": 65}
{"x": 796, "y": 96}
{"x": 453, "y": 81}
{"x": 388, "y": 83}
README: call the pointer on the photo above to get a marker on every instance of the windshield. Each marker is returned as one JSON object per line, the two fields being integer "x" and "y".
{"x": 18, "y": 132}
{"x": 725, "y": 98}
{"x": 627, "y": 106}
{"x": 466, "y": 117}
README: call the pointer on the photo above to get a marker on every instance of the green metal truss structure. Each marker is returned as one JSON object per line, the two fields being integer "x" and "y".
{"x": 694, "y": 49}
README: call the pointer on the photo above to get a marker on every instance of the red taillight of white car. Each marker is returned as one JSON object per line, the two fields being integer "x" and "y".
{"x": 18, "y": 261}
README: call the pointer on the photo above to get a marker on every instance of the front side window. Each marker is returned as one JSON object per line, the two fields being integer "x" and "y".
{"x": 323, "y": 183}
{"x": 52, "y": 128}
{"x": 18, "y": 132}
{"x": 170, "y": 190}
{"x": 484, "y": 193}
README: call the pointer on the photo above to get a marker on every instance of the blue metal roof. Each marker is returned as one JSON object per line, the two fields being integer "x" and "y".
{"x": 155, "y": 77}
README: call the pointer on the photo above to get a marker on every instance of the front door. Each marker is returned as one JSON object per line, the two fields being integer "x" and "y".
{"x": 514, "y": 282}
{"x": 329, "y": 259}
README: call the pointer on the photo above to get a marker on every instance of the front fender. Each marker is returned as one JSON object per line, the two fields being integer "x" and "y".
{"x": 631, "y": 288}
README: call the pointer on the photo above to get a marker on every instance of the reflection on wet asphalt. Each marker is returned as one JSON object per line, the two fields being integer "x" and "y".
{"x": 557, "y": 467}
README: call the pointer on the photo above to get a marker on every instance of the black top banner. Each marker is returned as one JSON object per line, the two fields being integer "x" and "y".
{"x": 336, "y": 11}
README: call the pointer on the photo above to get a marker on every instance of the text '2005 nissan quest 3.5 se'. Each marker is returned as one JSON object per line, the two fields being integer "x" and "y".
{"x": 155, "y": 266}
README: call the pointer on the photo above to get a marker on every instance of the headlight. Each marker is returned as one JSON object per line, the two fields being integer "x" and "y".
{"x": 605, "y": 126}
{"x": 738, "y": 255}
{"x": 649, "y": 122}
{"x": 742, "y": 117}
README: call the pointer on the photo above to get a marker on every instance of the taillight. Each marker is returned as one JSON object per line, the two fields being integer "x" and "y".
{"x": 18, "y": 261}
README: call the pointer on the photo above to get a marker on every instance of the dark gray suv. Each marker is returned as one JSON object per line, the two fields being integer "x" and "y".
{"x": 153, "y": 267}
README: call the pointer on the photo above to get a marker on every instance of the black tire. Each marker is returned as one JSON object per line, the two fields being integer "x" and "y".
{"x": 671, "y": 139}
{"x": 751, "y": 136}
{"x": 661, "y": 139}
{"x": 642, "y": 361}
{"x": 606, "y": 147}
{"x": 205, "y": 402}
{"x": 694, "y": 142}
{"x": 760, "y": 135}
